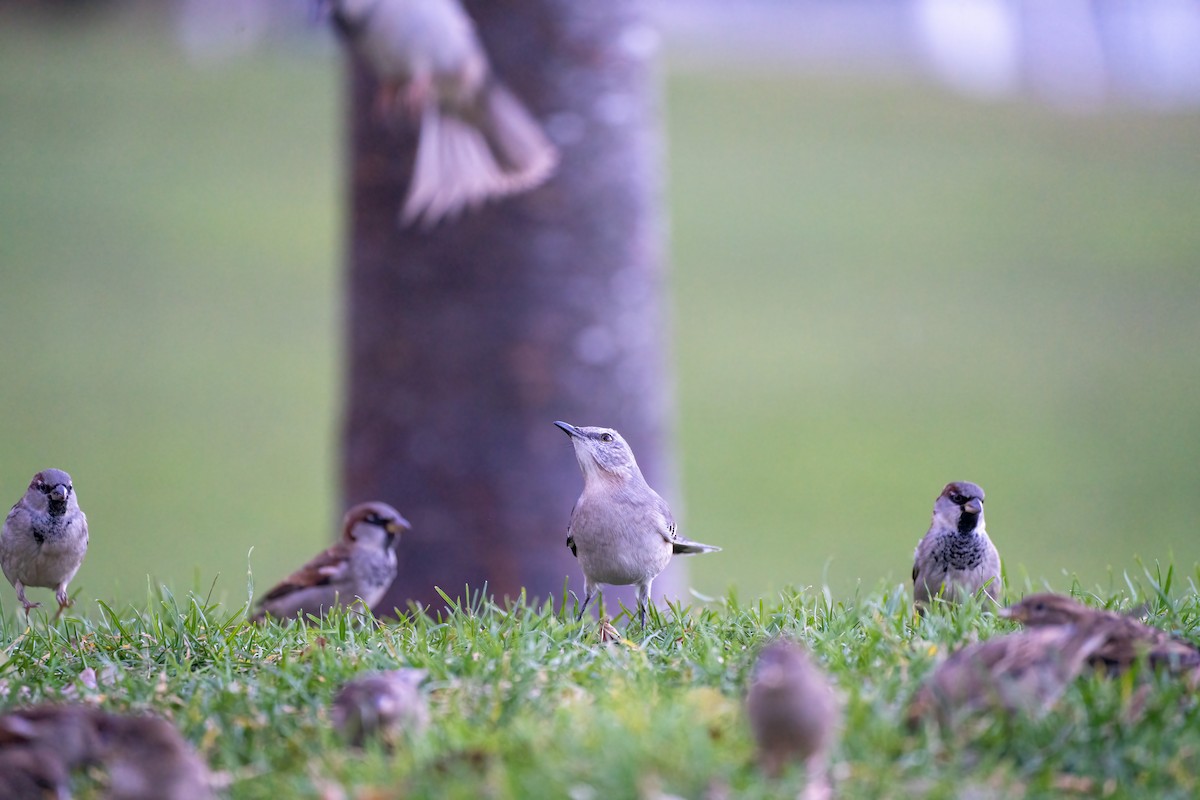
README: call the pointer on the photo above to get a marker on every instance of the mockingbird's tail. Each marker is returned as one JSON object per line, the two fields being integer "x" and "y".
{"x": 685, "y": 547}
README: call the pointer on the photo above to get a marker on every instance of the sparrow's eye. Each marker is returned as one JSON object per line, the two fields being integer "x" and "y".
{"x": 606, "y": 437}
{"x": 375, "y": 519}
{"x": 958, "y": 499}
{"x": 43, "y": 487}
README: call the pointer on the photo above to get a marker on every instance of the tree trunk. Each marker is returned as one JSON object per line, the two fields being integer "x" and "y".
{"x": 467, "y": 341}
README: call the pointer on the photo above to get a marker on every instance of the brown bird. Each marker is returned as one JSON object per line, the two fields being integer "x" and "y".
{"x": 44, "y": 538}
{"x": 1128, "y": 639}
{"x": 477, "y": 140}
{"x": 382, "y": 705}
{"x": 144, "y": 756}
{"x": 147, "y": 759}
{"x": 32, "y": 773}
{"x": 68, "y": 730}
{"x": 793, "y": 713}
{"x": 956, "y": 558}
{"x": 358, "y": 569}
{"x": 1017, "y": 673}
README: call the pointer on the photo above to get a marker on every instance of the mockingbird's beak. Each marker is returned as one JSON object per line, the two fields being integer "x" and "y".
{"x": 570, "y": 430}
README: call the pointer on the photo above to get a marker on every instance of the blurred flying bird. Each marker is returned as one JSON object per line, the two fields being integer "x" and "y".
{"x": 477, "y": 140}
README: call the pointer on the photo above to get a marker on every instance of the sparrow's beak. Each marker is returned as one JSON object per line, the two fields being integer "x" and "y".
{"x": 394, "y": 528}
{"x": 59, "y": 493}
{"x": 570, "y": 430}
{"x": 973, "y": 506}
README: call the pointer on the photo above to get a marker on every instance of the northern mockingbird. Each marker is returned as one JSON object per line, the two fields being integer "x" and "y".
{"x": 477, "y": 140}
{"x": 621, "y": 531}
{"x": 44, "y": 538}
{"x": 793, "y": 713}
{"x": 956, "y": 558}
{"x": 361, "y": 565}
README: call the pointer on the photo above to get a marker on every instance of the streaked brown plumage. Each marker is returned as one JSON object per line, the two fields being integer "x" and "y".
{"x": 361, "y": 565}
{"x": 1127, "y": 640}
{"x": 1017, "y": 673}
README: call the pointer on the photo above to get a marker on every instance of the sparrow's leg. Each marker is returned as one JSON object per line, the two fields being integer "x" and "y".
{"x": 20, "y": 587}
{"x": 64, "y": 601}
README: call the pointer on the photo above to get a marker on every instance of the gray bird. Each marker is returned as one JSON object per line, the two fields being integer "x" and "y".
{"x": 1128, "y": 639}
{"x": 793, "y": 712}
{"x": 477, "y": 140}
{"x": 1017, "y": 673}
{"x": 361, "y": 565}
{"x": 45, "y": 538}
{"x": 381, "y": 705}
{"x": 621, "y": 531}
{"x": 956, "y": 558}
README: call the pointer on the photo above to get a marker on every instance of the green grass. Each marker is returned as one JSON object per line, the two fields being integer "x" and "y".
{"x": 526, "y": 702}
{"x": 877, "y": 288}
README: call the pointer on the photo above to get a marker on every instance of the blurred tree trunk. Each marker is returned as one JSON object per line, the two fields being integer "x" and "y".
{"x": 466, "y": 342}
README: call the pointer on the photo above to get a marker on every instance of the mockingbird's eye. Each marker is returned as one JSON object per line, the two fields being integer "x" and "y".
{"x": 606, "y": 437}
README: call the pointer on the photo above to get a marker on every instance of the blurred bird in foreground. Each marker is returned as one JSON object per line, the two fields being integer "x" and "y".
{"x": 144, "y": 757}
{"x": 32, "y": 773}
{"x": 44, "y": 538}
{"x": 1127, "y": 640}
{"x": 382, "y": 705}
{"x": 1018, "y": 673}
{"x": 359, "y": 568}
{"x": 956, "y": 558}
{"x": 793, "y": 713}
{"x": 621, "y": 531}
{"x": 147, "y": 759}
{"x": 477, "y": 140}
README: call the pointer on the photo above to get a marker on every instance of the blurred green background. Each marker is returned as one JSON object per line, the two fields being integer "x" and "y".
{"x": 878, "y": 288}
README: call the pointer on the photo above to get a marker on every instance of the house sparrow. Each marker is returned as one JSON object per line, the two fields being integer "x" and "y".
{"x": 362, "y": 565}
{"x": 67, "y": 730}
{"x": 1023, "y": 672}
{"x": 621, "y": 531}
{"x": 793, "y": 712}
{"x": 1128, "y": 639}
{"x": 381, "y": 704}
{"x": 45, "y": 538}
{"x": 147, "y": 759}
{"x": 32, "y": 773}
{"x": 477, "y": 140}
{"x": 956, "y": 558}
